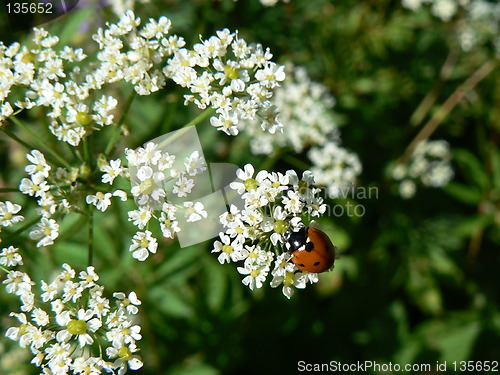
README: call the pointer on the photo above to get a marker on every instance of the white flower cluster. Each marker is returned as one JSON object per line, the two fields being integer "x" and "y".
{"x": 429, "y": 164}
{"x": 41, "y": 185}
{"x": 271, "y": 3}
{"x": 305, "y": 109}
{"x": 273, "y": 204}
{"x": 444, "y": 9}
{"x": 334, "y": 167}
{"x": 235, "y": 78}
{"x": 134, "y": 54}
{"x": 479, "y": 23}
{"x": 52, "y": 77}
{"x": 71, "y": 328}
{"x": 121, "y": 6}
{"x": 222, "y": 72}
{"x": 155, "y": 176}
{"x": 53, "y": 192}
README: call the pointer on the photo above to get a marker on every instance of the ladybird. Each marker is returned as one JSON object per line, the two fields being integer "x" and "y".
{"x": 311, "y": 249}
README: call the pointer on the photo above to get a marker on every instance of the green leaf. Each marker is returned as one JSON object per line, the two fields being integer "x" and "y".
{"x": 471, "y": 225}
{"x": 177, "y": 260}
{"x": 464, "y": 193}
{"x": 73, "y": 20}
{"x": 197, "y": 368}
{"x": 216, "y": 287}
{"x": 170, "y": 302}
{"x": 444, "y": 265}
{"x": 453, "y": 337}
{"x": 495, "y": 161}
{"x": 472, "y": 168}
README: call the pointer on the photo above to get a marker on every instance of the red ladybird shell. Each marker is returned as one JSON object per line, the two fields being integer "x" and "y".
{"x": 320, "y": 258}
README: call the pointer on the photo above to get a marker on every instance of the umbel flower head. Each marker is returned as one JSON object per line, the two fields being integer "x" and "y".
{"x": 71, "y": 327}
{"x": 306, "y": 108}
{"x": 235, "y": 78}
{"x": 255, "y": 233}
{"x": 429, "y": 164}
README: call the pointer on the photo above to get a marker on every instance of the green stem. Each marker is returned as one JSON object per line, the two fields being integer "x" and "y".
{"x": 23, "y": 228}
{"x": 296, "y": 162}
{"x": 9, "y": 190}
{"x": 270, "y": 161}
{"x": 86, "y": 150}
{"x": 18, "y": 140}
{"x": 168, "y": 116}
{"x": 91, "y": 236}
{"x": 207, "y": 112}
{"x": 181, "y": 131}
{"x": 56, "y": 156}
{"x": 4, "y": 269}
{"x": 445, "y": 109}
{"x": 117, "y": 130}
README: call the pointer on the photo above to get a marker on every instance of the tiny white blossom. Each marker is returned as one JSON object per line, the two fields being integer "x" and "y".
{"x": 111, "y": 171}
{"x": 256, "y": 275}
{"x": 45, "y": 232}
{"x": 194, "y": 211}
{"x": 9, "y": 257}
{"x": 143, "y": 243}
{"x": 100, "y": 200}
{"x": 39, "y": 165}
{"x": 7, "y": 213}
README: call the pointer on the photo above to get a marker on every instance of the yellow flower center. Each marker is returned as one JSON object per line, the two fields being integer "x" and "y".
{"x": 254, "y": 273}
{"x": 231, "y": 72}
{"x": 280, "y": 226}
{"x": 144, "y": 243}
{"x": 250, "y": 184}
{"x": 228, "y": 249}
{"x": 83, "y": 118}
{"x": 124, "y": 353}
{"x": 125, "y": 331}
{"x": 288, "y": 279}
{"x": 23, "y": 328}
{"x": 77, "y": 327}
{"x": 28, "y": 57}
{"x": 147, "y": 186}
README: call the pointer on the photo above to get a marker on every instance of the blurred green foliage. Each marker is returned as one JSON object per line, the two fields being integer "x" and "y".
{"x": 417, "y": 280}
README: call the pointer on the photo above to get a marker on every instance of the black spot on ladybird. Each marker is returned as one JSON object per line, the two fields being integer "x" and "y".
{"x": 300, "y": 265}
{"x": 309, "y": 247}
{"x": 317, "y": 263}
